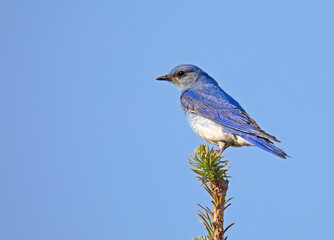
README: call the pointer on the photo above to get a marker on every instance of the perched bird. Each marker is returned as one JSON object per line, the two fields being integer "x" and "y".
{"x": 214, "y": 115}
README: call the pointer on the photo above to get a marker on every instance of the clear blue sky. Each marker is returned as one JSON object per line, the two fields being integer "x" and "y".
{"x": 92, "y": 147}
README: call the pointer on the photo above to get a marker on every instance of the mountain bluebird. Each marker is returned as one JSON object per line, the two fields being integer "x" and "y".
{"x": 214, "y": 115}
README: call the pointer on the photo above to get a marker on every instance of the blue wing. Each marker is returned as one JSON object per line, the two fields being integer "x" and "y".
{"x": 213, "y": 103}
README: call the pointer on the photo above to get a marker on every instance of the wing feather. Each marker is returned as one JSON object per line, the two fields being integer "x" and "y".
{"x": 223, "y": 109}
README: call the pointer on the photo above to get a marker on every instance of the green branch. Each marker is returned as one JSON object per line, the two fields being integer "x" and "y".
{"x": 211, "y": 170}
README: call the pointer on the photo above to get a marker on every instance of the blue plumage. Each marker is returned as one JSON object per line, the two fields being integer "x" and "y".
{"x": 214, "y": 115}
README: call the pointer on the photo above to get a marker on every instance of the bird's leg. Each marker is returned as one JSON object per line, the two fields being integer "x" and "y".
{"x": 222, "y": 147}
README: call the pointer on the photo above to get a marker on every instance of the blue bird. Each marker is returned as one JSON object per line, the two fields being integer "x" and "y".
{"x": 214, "y": 115}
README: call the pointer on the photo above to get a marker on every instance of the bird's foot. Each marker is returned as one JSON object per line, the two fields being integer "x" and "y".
{"x": 219, "y": 151}
{"x": 222, "y": 147}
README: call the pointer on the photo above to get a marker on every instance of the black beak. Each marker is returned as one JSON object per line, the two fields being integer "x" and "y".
{"x": 164, "y": 78}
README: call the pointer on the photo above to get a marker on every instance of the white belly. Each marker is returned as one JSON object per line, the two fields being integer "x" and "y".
{"x": 212, "y": 132}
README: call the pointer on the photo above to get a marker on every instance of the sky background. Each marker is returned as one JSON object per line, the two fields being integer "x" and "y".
{"x": 92, "y": 147}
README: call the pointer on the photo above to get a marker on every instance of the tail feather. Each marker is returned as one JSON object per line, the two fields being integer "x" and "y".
{"x": 266, "y": 145}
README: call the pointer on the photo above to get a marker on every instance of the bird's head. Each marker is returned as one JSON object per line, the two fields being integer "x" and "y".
{"x": 182, "y": 76}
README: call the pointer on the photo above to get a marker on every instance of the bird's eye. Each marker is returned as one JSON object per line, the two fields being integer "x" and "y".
{"x": 180, "y": 73}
